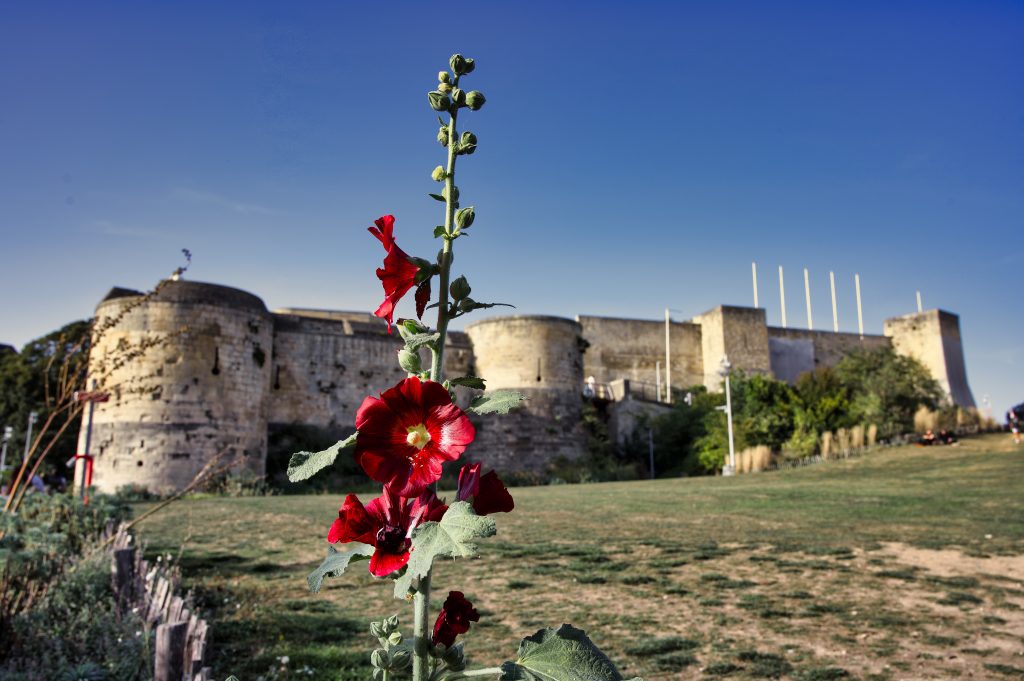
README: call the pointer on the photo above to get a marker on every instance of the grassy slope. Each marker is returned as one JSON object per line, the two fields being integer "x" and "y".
{"x": 755, "y": 576}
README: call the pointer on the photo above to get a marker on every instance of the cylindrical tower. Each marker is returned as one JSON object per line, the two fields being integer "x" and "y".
{"x": 200, "y": 389}
{"x": 542, "y": 357}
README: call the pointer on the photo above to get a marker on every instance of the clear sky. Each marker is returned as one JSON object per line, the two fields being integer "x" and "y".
{"x": 633, "y": 156}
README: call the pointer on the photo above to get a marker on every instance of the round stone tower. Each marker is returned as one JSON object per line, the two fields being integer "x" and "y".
{"x": 542, "y": 357}
{"x": 200, "y": 389}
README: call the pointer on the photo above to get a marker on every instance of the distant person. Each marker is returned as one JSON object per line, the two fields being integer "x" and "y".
{"x": 946, "y": 437}
{"x": 928, "y": 438}
{"x": 1013, "y": 421}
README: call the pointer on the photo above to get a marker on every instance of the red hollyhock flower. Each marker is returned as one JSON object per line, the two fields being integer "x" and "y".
{"x": 487, "y": 492}
{"x": 398, "y": 274}
{"x": 408, "y": 432}
{"x": 456, "y": 614}
{"x": 386, "y": 523}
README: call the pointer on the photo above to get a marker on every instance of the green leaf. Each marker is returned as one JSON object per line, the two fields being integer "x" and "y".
{"x": 469, "y": 382}
{"x": 497, "y": 402}
{"x": 336, "y": 562}
{"x": 303, "y": 465}
{"x": 437, "y": 197}
{"x": 417, "y": 341}
{"x": 563, "y": 654}
{"x": 438, "y": 231}
{"x": 452, "y": 537}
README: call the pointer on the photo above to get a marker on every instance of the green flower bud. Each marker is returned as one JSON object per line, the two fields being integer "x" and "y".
{"x": 396, "y": 636}
{"x": 475, "y": 99}
{"x": 438, "y": 650}
{"x": 464, "y": 218}
{"x": 460, "y": 288}
{"x": 379, "y": 659}
{"x": 442, "y": 135}
{"x": 455, "y": 193}
{"x": 377, "y": 629}
{"x": 445, "y": 87}
{"x": 469, "y": 67}
{"x": 455, "y": 657}
{"x": 410, "y": 363}
{"x": 391, "y": 623}
{"x": 378, "y": 675}
{"x": 458, "y": 64}
{"x": 459, "y": 97}
{"x": 439, "y": 101}
{"x": 443, "y": 76}
{"x": 407, "y": 328}
{"x": 401, "y": 659}
{"x": 439, "y": 174}
{"x": 468, "y": 143}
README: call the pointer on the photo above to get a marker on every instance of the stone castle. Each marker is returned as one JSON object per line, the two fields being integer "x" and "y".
{"x": 239, "y": 371}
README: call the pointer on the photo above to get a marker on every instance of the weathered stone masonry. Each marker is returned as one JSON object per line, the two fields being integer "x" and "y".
{"x": 239, "y": 370}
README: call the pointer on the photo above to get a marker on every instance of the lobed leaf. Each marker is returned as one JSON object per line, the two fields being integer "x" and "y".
{"x": 563, "y": 654}
{"x": 497, "y": 402}
{"x": 336, "y": 562}
{"x": 304, "y": 465}
{"x": 468, "y": 382}
{"x": 451, "y": 537}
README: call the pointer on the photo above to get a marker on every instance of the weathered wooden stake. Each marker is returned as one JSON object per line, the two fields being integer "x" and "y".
{"x": 170, "y": 652}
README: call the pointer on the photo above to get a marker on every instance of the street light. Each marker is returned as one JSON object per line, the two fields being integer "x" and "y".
{"x": 32, "y": 418}
{"x": 724, "y": 368}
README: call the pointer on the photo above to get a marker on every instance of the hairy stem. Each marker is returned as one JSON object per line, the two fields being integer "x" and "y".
{"x": 421, "y": 625}
{"x": 470, "y": 673}
{"x": 445, "y": 259}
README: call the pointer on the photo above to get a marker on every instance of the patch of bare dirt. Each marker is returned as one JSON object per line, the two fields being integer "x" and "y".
{"x": 950, "y": 562}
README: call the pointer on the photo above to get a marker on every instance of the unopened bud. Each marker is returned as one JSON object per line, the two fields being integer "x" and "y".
{"x": 444, "y": 87}
{"x": 379, "y": 659}
{"x": 439, "y": 101}
{"x": 401, "y": 659}
{"x": 395, "y": 638}
{"x": 459, "y": 97}
{"x": 439, "y": 174}
{"x": 454, "y": 193}
{"x": 464, "y": 218}
{"x": 442, "y": 135}
{"x": 460, "y": 288}
{"x": 458, "y": 64}
{"x": 377, "y": 629}
{"x": 455, "y": 657}
{"x": 391, "y": 623}
{"x": 468, "y": 143}
{"x": 443, "y": 76}
{"x": 475, "y": 99}
{"x": 411, "y": 364}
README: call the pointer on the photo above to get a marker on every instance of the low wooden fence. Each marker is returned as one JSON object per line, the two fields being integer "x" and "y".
{"x": 153, "y": 591}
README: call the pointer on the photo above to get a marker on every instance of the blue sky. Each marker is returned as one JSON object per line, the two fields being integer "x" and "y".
{"x": 632, "y": 157}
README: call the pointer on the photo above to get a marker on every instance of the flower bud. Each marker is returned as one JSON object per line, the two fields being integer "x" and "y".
{"x": 406, "y": 328}
{"x": 410, "y": 363}
{"x": 377, "y": 629}
{"x": 442, "y": 135}
{"x": 439, "y": 174}
{"x": 460, "y": 288}
{"x": 444, "y": 87}
{"x": 459, "y": 97}
{"x": 439, "y": 101}
{"x": 391, "y": 623}
{"x": 443, "y": 76}
{"x": 379, "y": 659}
{"x": 378, "y": 675}
{"x": 464, "y": 217}
{"x": 455, "y": 657}
{"x": 395, "y": 638}
{"x": 475, "y": 99}
{"x": 458, "y": 64}
{"x": 401, "y": 659}
{"x": 468, "y": 143}
{"x": 454, "y": 194}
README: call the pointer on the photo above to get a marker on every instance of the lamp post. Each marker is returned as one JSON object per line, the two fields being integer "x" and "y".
{"x": 724, "y": 368}
{"x": 32, "y": 418}
{"x": 8, "y": 433}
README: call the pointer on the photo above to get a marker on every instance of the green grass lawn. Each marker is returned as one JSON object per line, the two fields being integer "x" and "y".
{"x": 906, "y": 563}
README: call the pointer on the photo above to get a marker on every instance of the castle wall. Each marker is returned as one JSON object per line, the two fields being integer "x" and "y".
{"x": 933, "y": 338}
{"x": 542, "y": 357}
{"x": 631, "y": 348}
{"x": 794, "y": 351}
{"x": 739, "y": 332}
{"x": 202, "y": 392}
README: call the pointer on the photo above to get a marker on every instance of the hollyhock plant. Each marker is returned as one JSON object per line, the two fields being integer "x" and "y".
{"x": 386, "y": 524}
{"x": 454, "y": 618}
{"x": 486, "y": 493}
{"x": 407, "y": 433}
{"x": 399, "y": 274}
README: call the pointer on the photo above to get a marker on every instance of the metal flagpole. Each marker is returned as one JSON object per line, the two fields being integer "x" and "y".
{"x": 807, "y": 293}
{"x": 753, "y": 272}
{"x": 668, "y": 361}
{"x": 835, "y": 311}
{"x": 920, "y": 307}
{"x": 782, "y": 296}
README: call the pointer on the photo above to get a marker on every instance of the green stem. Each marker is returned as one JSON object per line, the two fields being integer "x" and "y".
{"x": 421, "y": 627}
{"x": 470, "y": 673}
{"x": 445, "y": 259}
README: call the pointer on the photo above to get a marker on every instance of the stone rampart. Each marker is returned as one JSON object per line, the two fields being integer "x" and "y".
{"x": 933, "y": 338}
{"x": 794, "y": 351}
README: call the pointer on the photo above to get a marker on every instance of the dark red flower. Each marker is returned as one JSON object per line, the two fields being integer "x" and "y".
{"x": 454, "y": 619}
{"x": 487, "y": 492}
{"x": 386, "y": 523}
{"x": 399, "y": 272}
{"x": 407, "y": 433}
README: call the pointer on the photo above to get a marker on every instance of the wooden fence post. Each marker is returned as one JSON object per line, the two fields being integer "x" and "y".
{"x": 170, "y": 652}
{"x": 124, "y": 574}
